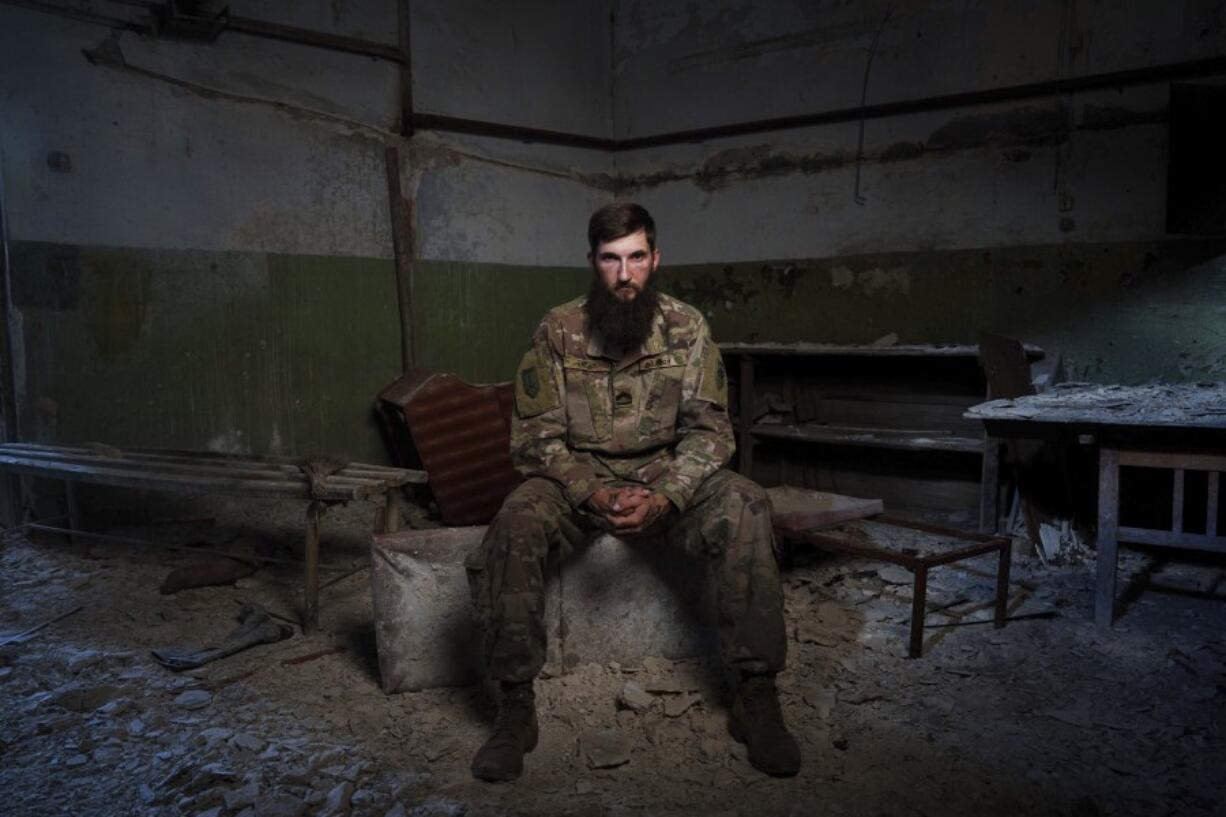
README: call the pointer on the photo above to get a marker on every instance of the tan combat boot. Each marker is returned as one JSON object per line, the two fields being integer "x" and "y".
{"x": 516, "y": 732}
{"x": 758, "y": 723}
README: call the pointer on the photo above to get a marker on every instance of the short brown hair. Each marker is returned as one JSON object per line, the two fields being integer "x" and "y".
{"x": 617, "y": 220}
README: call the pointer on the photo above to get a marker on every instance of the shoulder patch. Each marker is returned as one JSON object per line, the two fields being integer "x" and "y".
{"x": 714, "y": 388}
{"x": 534, "y": 389}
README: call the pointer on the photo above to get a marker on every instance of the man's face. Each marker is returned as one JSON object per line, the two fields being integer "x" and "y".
{"x": 625, "y": 264}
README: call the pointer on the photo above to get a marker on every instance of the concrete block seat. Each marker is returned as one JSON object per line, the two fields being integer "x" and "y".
{"x": 612, "y": 600}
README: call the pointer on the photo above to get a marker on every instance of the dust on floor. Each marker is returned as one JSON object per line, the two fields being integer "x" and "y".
{"x": 1049, "y": 716}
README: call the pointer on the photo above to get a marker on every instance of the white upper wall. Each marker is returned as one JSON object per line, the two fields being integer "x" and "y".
{"x": 252, "y": 144}
{"x": 1041, "y": 171}
{"x": 243, "y": 144}
{"x": 681, "y": 65}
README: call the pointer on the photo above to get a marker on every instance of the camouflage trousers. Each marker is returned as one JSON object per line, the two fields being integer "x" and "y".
{"x": 728, "y": 521}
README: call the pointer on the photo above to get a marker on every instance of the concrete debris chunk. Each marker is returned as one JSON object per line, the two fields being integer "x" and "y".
{"x": 605, "y": 748}
{"x": 247, "y": 742}
{"x": 634, "y": 697}
{"x": 435, "y": 806}
{"x": 84, "y": 699}
{"x": 214, "y": 734}
{"x": 677, "y": 705}
{"x": 194, "y": 699}
{"x": 83, "y": 659}
{"x": 242, "y": 798}
{"x": 396, "y": 811}
{"x": 896, "y": 574}
{"x": 280, "y": 805}
{"x": 337, "y": 802}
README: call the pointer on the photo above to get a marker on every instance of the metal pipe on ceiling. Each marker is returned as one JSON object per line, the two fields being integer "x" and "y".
{"x": 240, "y": 25}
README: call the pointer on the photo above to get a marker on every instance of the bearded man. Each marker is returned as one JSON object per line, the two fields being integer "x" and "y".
{"x": 621, "y": 424}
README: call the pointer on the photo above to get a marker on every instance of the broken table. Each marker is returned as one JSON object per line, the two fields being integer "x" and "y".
{"x": 1178, "y": 427}
{"x": 320, "y": 482}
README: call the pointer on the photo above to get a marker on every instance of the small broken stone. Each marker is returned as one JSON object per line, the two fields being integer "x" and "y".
{"x": 337, "y": 802}
{"x": 634, "y": 697}
{"x": 84, "y": 699}
{"x": 194, "y": 699}
{"x": 241, "y": 798}
{"x": 246, "y": 742}
{"x": 676, "y": 705}
{"x": 605, "y": 748}
{"x": 280, "y": 805}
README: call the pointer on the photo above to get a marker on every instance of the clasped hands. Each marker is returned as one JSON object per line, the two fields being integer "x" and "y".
{"x": 630, "y": 509}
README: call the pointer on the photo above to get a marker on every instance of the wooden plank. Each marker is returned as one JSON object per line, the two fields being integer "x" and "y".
{"x": 175, "y": 483}
{"x": 897, "y": 414}
{"x": 832, "y": 350}
{"x": 287, "y": 465}
{"x": 820, "y": 434}
{"x": 1166, "y": 538}
{"x": 989, "y": 496}
{"x": 1108, "y": 542}
{"x": 179, "y": 466}
{"x": 802, "y": 509}
{"x": 1170, "y": 459}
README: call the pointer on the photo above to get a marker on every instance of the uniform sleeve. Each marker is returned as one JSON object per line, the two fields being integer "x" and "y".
{"x": 538, "y": 426}
{"x": 705, "y": 441}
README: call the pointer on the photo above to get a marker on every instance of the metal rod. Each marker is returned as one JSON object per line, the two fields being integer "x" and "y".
{"x": 74, "y": 14}
{"x": 401, "y": 214}
{"x": 105, "y": 537}
{"x": 404, "y": 18}
{"x": 319, "y": 39}
{"x": 25, "y": 634}
{"x": 240, "y": 25}
{"x": 10, "y": 342}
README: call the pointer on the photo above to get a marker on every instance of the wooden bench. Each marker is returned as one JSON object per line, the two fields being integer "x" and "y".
{"x": 319, "y": 482}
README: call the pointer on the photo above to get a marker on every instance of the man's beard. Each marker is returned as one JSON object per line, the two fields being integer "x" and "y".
{"x": 624, "y": 325}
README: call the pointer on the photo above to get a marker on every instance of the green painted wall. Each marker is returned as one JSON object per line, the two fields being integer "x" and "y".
{"x": 246, "y": 352}
{"x": 1119, "y": 312}
{"x": 476, "y": 319}
{"x": 264, "y": 353}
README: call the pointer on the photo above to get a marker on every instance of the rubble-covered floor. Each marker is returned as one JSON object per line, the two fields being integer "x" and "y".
{"x": 1049, "y": 716}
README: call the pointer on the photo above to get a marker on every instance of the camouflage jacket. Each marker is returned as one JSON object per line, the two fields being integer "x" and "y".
{"x": 658, "y": 416}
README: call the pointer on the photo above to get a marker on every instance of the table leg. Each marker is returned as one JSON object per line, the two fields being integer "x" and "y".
{"x": 310, "y": 608}
{"x": 1002, "y": 584}
{"x": 989, "y": 489}
{"x": 391, "y": 511}
{"x": 1108, "y": 525}
{"x": 74, "y": 513}
{"x": 919, "y": 595}
{"x": 745, "y": 439}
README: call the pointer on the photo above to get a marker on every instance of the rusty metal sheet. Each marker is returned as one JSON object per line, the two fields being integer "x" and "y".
{"x": 461, "y": 434}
